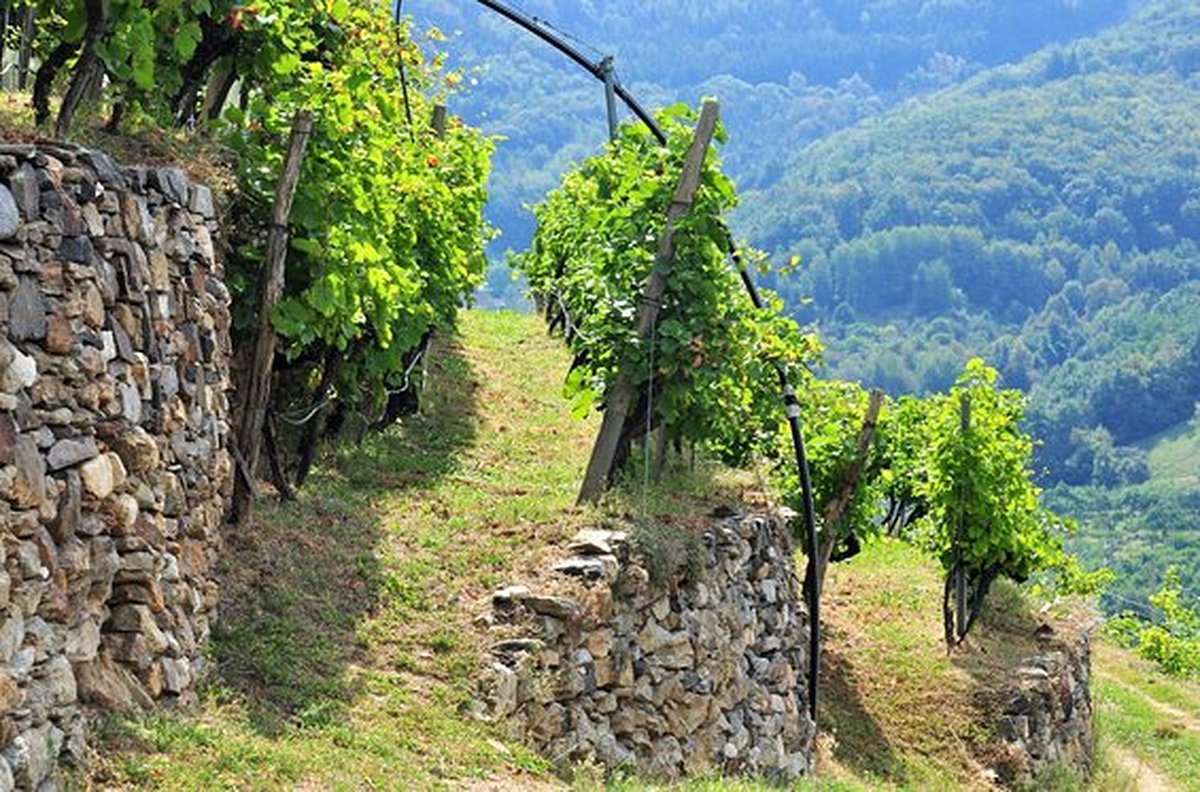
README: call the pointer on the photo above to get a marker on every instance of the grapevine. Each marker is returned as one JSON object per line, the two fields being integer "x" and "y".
{"x": 707, "y": 375}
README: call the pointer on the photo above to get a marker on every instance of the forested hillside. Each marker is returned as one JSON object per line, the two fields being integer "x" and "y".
{"x": 788, "y": 71}
{"x": 1044, "y": 215}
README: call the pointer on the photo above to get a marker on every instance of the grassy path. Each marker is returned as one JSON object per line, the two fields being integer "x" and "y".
{"x": 346, "y": 652}
{"x": 1143, "y": 777}
{"x": 1149, "y": 724}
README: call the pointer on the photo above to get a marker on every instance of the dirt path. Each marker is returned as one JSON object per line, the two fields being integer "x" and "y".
{"x": 1145, "y": 778}
{"x": 1180, "y": 718}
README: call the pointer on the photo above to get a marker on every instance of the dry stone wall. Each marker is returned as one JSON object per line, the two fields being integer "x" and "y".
{"x": 674, "y": 655}
{"x": 113, "y": 434}
{"x": 1046, "y": 723}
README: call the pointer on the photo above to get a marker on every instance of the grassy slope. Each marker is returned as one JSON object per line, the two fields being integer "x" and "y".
{"x": 346, "y": 648}
{"x": 1174, "y": 456}
{"x": 898, "y": 712}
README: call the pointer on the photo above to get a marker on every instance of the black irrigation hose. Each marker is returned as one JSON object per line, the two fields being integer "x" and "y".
{"x": 412, "y": 134}
{"x": 812, "y": 593}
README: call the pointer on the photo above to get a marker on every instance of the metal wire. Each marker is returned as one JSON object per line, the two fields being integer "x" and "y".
{"x": 565, "y": 34}
{"x": 649, "y": 421}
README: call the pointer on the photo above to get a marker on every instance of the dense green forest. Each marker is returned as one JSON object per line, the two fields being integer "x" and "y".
{"x": 1044, "y": 215}
{"x": 789, "y": 71}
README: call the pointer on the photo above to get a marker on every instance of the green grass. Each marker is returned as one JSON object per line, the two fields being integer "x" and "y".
{"x": 1147, "y": 714}
{"x": 898, "y": 712}
{"x": 1171, "y": 748}
{"x": 1174, "y": 456}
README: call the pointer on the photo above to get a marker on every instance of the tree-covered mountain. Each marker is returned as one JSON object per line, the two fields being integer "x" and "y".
{"x": 788, "y": 71}
{"x": 1045, "y": 215}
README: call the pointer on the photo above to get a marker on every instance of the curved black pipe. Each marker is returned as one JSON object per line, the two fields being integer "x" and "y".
{"x": 595, "y": 68}
{"x": 812, "y": 592}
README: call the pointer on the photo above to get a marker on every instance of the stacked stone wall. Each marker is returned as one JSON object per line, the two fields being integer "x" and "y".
{"x": 1047, "y": 724}
{"x": 675, "y": 655}
{"x": 113, "y": 435}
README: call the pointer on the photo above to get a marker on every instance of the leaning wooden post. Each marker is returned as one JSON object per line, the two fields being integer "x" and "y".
{"x": 621, "y": 394}
{"x": 258, "y": 380}
{"x": 840, "y": 505}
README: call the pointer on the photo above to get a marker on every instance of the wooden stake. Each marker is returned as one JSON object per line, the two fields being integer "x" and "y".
{"x": 960, "y": 589}
{"x": 836, "y": 509}
{"x": 258, "y": 386}
{"x": 621, "y": 394}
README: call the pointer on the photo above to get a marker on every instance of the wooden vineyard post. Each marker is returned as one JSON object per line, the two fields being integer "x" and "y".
{"x": 960, "y": 589}
{"x": 258, "y": 380}
{"x": 954, "y": 598}
{"x": 438, "y": 122}
{"x": 841, "y": 504}
{"x": 621, "y": 395}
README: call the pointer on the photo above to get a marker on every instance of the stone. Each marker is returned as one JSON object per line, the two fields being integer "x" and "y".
{"x": 140, "y": 620}
{"x": 174, "y": 496}
{"x": 29, "y": 485}
{"x": 23, "y": 187}
{"x": 160, "y": 273}
{"x": 131, "y": 402}
{"x": 555, "y": 607}
{"x": 76, "y": 248}
{"x": 71, "y": 451}
{"x": 106, "y": 170}
{"x": 132, "y": 651}
{"x": 110, "y": 687}
{"x": 7, "y": 782}
{"x": 585, "y": 568}
{"x": 60, "y": 337}
{"x": 137, "y": 563}
{"x": 93, "y": 222}
{"x": 200, "y": 201}
{"x": 596, "y": 542}
{"x": 27, "y": 312}
{"x": 121, "y": 513}
{"x": 21, "y": 373}
{"x": 58, "y": 681}
{"x": 207, "y": 253}
{"x": 177, "y": 675}
{"x": 97, "y": 476}
{"x": 10, "y": 217}
{"x": 93, "y": 307}
{"x": 33, "y": 754}
{"x": 516, "y": 647}
{"x": 173, "y": 184}
{"x": 509, "y": 597}
{"x": 11, "y": 695}
{"x": 12, "y": 633}
{"x": 135, "y": 446}
{"x": 8, "y": 439}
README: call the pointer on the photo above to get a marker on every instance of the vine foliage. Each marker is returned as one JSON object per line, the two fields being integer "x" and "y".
{"x": 707, "y": 374}
{"x": 387, "y": 230}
